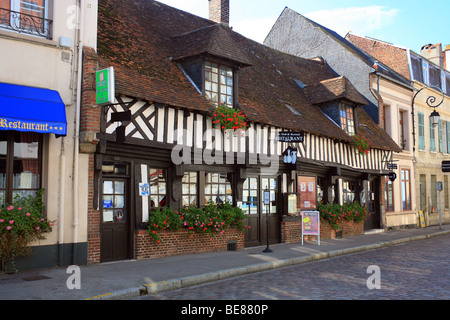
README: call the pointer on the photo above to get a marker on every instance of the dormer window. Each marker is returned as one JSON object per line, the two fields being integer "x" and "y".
{"x": 347, "y": 118}
{"x": 219, "y": 83}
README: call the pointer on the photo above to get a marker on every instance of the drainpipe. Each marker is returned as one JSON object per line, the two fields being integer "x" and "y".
{"x": 62, "y": 182}
{"x": 77, "y": 134}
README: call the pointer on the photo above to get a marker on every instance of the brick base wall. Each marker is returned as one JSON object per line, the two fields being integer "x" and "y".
{"x": 180, "y": 242}
{"x": 291, "y": 231}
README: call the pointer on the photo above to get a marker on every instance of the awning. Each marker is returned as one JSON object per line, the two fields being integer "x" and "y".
{"x": 31, "y": 109}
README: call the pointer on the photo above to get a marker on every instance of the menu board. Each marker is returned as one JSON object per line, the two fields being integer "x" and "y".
{"x": 307, "y": 187}
{"x": 311, "y": 224}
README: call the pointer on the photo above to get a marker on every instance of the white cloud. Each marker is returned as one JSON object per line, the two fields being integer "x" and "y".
{"x": 359, "y": 20}
{"x": 255, "y": 29}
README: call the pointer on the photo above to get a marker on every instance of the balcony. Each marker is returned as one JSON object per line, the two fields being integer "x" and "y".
{"x": 25, "y": 23}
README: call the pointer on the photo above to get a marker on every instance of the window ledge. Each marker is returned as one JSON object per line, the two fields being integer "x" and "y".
{"x": 14, "y": 35}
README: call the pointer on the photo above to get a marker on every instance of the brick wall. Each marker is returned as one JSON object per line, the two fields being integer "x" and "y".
{"x": 291, "y": 231}
{"x": 180, "y": 242}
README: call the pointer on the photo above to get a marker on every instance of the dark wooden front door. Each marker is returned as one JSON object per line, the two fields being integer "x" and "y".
{"x": 258, "y": 215}
{"x": 115, "y": 226}
{"x": 373, "y": 203}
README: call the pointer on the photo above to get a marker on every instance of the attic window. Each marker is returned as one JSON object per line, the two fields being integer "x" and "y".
{"x": 347, "y": 118}
{"x": 293, "y": 110}
{"x": 219, "y": 83}
{"x": 300, "y": 83}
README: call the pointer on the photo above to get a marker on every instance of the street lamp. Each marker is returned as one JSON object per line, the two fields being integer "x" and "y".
{"x": 435, "y": 117}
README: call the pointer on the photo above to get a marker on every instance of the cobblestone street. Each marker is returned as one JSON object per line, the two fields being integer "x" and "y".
{"x": 416, "y": 270}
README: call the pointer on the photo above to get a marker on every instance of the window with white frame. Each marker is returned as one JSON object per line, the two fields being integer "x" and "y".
{"x": 219, "y": 83}
{"x": 26, "y": 16}
{"x": 425, "y": 72}
{"x": 347, "y": 118}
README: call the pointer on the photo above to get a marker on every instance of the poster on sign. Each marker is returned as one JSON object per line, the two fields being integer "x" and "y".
{"x": 311, "y": 224}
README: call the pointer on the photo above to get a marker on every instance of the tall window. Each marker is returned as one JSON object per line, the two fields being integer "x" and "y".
{"x": 421, "y": 124}
{"x": 190, "y": 182}
{"x": 217, "y": 188}
{"x": 20, "y": 164}
{"x": 347, "y": 118}
{"x": 389, "y": 195}
{"x": 219, "y": 83}
{"x": 157, "y": 192}
{"x": 25, "y": 16}
{"x": 406, "y": 189}
{"x": 402, "y": 130}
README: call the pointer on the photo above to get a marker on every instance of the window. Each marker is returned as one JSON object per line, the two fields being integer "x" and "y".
{"x": 432, "y": 137}
{"x": 250, "y": 196}
{"x": 219, "y": 83}
{"x": 217, "y": 188}
{"x": 20, "y": 164}
{"x": 25, "y": 16}
{"x": 349, "y": 191}
{"x": 402, "y": 130}
{"x": 190, "y": 182}
{"x": 425, "y": 72}
{"x": 406, "y": 189}
{"x": 347, "y": 119}
{"x": 421, "y": 124}
{"x": 158, "y": 192}
{"x": 389, "y": 195}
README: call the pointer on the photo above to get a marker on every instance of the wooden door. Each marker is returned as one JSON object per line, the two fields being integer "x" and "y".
{"x": 115, "y": 226}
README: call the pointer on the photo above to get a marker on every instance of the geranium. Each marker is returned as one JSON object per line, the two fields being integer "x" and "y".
{"x": 21, "y": 224}
{"x": 226, "y": 118}
{"x": 361, "y": 144}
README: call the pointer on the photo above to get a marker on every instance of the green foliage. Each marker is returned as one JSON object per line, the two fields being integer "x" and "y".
{"x": 212, "y": 220}
{"x": 21, "y": 223}
{"x": 334, "y": 214}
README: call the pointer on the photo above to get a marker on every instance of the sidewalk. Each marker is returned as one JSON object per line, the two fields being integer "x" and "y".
{"x": 122, "y": 280}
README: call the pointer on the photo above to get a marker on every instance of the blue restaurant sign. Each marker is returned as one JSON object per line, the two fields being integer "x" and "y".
{"x": 30, "y": 109}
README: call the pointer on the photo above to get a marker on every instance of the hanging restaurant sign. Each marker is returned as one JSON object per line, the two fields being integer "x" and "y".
{"x": 291, "y": 136}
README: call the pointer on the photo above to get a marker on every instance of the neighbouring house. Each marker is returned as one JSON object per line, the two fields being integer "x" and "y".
{"x": 387, "y": 89}
{"x": 430, "y": 78}
{"x": 172, "y": 69}
{"x": 39, "y": 99}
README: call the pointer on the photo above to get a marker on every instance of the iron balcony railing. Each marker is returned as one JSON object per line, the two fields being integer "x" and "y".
{"x": 25, "y": 23}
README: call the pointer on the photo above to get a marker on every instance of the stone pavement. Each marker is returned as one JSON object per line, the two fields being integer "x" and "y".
{"x": 127, "y": 279}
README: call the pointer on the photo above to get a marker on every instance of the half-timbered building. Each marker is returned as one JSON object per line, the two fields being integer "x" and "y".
{"x": 172, "y": 70}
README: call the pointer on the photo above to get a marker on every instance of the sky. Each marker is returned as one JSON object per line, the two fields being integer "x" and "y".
{"x": 406, "y": 23}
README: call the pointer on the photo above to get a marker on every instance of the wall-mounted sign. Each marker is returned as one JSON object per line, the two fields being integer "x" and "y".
{"x": 290, "y": 155}
{"x": 144, "y": 189}
{"x": 445, "y": 166}
{"x": 392, "y": 166}
{"x": 392, "y": 176}
{"x": 105, "y": 86}
{"x": 291, "y": 136}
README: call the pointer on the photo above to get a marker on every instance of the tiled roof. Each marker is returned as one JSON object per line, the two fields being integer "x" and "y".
{"x": 142, "y": 38}
{"x": 215, "y": 40}
{"x": 334, "y": 89}
{"x": 393, "y": 56}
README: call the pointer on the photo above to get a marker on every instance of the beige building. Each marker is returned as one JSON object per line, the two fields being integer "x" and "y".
{"x": 40, "y": 42}
{"x": 431, "y": 145}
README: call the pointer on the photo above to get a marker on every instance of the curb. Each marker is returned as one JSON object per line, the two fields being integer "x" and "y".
{"x": 174, "y": 284}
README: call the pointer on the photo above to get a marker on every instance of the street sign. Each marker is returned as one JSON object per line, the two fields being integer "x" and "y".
{"x": 445, "y": 166}
{"x": 392, "y": 176}
{"x": 392, "y": 166}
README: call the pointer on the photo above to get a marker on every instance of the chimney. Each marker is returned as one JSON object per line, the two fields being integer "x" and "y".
{"x": 219, "y": 11}
{"x": 433, "y": 53}
{"x": 447, "y": 58}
